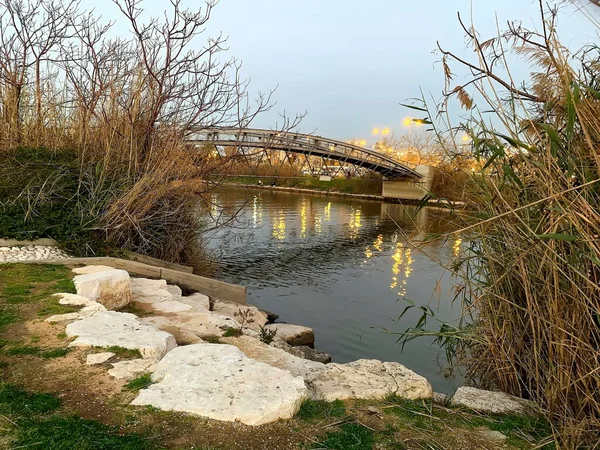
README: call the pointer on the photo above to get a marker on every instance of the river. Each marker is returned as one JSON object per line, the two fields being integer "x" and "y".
{"x": 342, "y": 267}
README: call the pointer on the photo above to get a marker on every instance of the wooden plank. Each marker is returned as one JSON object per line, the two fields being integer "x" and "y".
{"x": 157, "y": 262}
{"x": 213, "y": 288}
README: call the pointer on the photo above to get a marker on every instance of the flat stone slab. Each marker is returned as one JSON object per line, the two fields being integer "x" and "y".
{"x": 130, "y": 369}
{"x": 200, "y": 324}
{"x": 220, "y": 382}
{"x": 98, "y": 358}
{"x": 294, "y": 335}
{"x": 489, "y": 401}
{"x": 111, "y": 288}
{"x": 108, "y": 328}
{"x": 367, "y": 379}
{"x": 89, "y": 308}
{"x": 85, "y": 270}
{"x": 259, "y": 351}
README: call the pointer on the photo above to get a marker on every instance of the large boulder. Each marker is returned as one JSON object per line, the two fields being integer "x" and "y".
{"x": 255, "y": 349}
{"x": 367, "y": 379}
{"x": 110, "y": 328}
{"x": 220, "y": 382}
{"x": 489, "y": 401}
{"x": 294, "y": 335}
{"x": 111, "y": 288}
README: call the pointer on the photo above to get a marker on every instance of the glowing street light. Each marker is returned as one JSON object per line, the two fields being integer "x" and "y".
{"x": 409, "y": 122}
{"x": 384, "y": 131}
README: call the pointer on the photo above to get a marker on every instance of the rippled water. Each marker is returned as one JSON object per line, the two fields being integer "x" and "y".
{"x": 340, "y": 266}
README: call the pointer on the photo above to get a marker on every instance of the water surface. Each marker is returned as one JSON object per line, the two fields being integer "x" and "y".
{"x": 340, "y": 266}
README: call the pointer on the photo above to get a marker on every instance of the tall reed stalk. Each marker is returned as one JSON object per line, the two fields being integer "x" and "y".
{"x": 529, "y": 281}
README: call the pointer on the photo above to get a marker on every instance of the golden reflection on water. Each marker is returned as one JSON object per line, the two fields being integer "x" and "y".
{"x": 327, "y": 213}
{"x": 303, "y": 221}
{"x": 456, "y": 246}
{"x": 279, "y": 225}
{"x": 401, "y": 268}
{"x": 355, "y": 222}
{"x": 257, "y": 212}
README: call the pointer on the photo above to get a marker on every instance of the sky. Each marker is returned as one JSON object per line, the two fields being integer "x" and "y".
{"x": 350, "y": 63}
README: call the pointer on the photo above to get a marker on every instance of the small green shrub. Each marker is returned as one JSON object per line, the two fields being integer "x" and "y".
{"x": 266, "y": 335}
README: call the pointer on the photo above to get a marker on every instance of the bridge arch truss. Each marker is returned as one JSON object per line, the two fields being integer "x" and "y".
{"x": 257, "y": 141}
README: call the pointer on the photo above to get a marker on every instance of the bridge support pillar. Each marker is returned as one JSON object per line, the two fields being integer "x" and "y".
{"x": 409, "y": 189}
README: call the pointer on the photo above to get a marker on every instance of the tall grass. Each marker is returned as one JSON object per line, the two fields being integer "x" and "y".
{"x": 529, "y": 280}
{"x": 123, "y": 108}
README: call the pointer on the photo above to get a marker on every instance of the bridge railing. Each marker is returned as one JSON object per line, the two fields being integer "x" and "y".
{"x": 288, "y": 141}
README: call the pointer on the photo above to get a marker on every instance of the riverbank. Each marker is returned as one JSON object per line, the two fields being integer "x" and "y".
{"x": 333, "y": 193}
{"x": 306, "y": 191}
{"x": 51, "y": 396}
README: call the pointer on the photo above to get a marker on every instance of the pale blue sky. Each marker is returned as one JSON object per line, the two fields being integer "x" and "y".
{"x": 348, "y": 62}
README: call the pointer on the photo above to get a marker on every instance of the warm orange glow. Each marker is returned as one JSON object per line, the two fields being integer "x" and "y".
{"x": 386, "y": 131}
{"x": 375, "y": 130}
{"x": 408, "y": 122}
{"x": 363, "y": 143}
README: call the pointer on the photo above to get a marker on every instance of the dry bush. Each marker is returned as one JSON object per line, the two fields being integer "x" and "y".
{"x": 126, "y": 106}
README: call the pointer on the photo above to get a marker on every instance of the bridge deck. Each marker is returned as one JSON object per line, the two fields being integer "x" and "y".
{"x": 307, "y": 145}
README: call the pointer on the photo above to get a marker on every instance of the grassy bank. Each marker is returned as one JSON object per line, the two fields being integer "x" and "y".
{"x": 49, "y": 398}
{"x": 348, "y": 186}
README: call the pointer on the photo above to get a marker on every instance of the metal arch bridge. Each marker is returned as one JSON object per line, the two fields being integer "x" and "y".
{"x": 307, "y": 145}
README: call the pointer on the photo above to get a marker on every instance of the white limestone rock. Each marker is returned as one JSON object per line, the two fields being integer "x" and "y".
{"x": 89, "y": 308}
{"x": 111, "y": 288}
{"x": 174, "y": 290}
{"x": 367, "y": 379}
{"x": 302, "y": 351}
{"x": 145, "y": 290}
{"x": 489, "y": 401}
{"x": 254, "y": 318}
{"x": 132, "y": 368}
{"x": 98, "y": 358}
{"x": 171, "y": 307}
{"x": 259, "y": 351}
{"x": 220, "y": 382}
{"x": 294, "y": 335}
{"x": 108, "y": 328}
{"x": 200, "y": 324}
{"x": 198, "y": 302}
{"x": 73, "y": 299}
